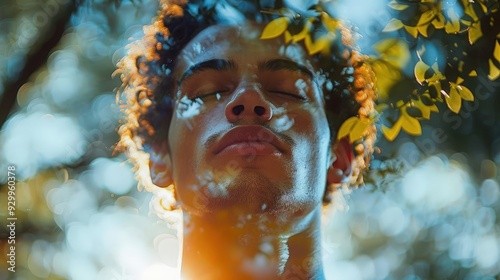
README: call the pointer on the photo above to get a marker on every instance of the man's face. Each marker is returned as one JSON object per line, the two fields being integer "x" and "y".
{"x": 249, "y": 131}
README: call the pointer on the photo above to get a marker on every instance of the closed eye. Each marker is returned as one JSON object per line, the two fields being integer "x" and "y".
{"x": 289, "y": 94}
{"x": 217, "y": 94}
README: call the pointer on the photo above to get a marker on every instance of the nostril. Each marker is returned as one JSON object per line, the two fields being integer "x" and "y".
{"x": 238, "y": 109}
{"x": 259, "y": 110}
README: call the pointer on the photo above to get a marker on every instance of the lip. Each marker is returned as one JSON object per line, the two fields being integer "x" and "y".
{"x": 250, "y": 140}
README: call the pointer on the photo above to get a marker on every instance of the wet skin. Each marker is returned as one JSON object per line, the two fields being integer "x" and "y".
{"x": 247, "y": 84}
{"x": 250, "y": 148}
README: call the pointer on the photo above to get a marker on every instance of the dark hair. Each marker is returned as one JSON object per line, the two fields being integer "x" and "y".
{"x": 146, "y": 73}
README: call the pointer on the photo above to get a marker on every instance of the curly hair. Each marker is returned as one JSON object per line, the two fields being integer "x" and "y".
{"x": 146, "y": 73}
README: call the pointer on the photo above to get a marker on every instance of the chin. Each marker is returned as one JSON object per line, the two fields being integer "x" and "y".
{"x": 249, "y": 192}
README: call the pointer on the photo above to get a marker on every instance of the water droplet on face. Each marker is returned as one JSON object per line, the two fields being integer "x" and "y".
{"x": 301, "y": 86}
{"x": 282, "y": 121}
{"x": 188, "y": 108}
{"x": 329, "y": 85}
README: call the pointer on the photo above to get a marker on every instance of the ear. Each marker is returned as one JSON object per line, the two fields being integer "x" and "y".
{"x": 340, "y": 169}
{"x": 160, "y": 165}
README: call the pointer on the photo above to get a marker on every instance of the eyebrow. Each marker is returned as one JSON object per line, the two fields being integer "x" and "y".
{"x": 285, "y": 64}
{"x": 225, "y": 65}
{"x": 212, "y": 64}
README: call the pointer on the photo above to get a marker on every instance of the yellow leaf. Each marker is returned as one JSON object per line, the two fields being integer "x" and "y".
{"x": 425, "y": 109}
{"x": 452, "y": 27}
{"x": 475, "y": 32}
{"x": 496, "y": 52}
{"x": 330, "y": 23}
{"x": 410, "y": 124}
{"x": 435, "y": 67}
{"x": 381, "y": 107}
{"x": 396, "y": 6}
{"x": 454, "y": 101}
{"x": 483, "y": 7}
{"x": 412, "y": 30}
{"x": 437, "y": 86}
{"x": 314, "y": 47}
{"x": 358, "y": 129}
{"x": 423, "y": 29}
{"x": 391, "y": 133}
{"x": 394, "y": 24}
{"x": 426, "y": 112}
{"x": 494, "y": 71}
{"x": 303, "y": 33}
{"x": 275, "y": 28}
{"x": 473, "y": 73}
{"x": 288, "y": 37}
{"x": 394, "y": 51}
{"x": 387, "y": 76}
{"x": 426, "y": 18}
{"x": 420, "y": 69}
{"x": 346, "y": 127}
{"x": 465, "y": 93}
{"x": 469, "y": 10}
{"x": 438, "y": 21}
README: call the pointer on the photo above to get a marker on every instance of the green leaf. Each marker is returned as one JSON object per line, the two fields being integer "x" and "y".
{"x": 275, "y": 28}
{"x": 393, "y": 25}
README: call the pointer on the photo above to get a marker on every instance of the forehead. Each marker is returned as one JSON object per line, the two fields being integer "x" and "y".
{"x": 239, "y": 43}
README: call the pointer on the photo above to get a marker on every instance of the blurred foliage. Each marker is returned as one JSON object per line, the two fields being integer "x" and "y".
{"x": 445, "y": 39}
{"x": 441, "y": 74}
{"x": 80, "y": 216}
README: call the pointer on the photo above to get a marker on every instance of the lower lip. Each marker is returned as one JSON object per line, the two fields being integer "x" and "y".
{"x": 251, "y": 149}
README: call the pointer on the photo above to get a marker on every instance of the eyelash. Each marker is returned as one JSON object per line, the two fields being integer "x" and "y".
{"x": 294, "y": 95}
{"x": 201, "y": 96}
{"x": 289, "y": 94}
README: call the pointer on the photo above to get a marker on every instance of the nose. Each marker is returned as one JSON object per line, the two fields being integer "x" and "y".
{"x": 248, "y": 103}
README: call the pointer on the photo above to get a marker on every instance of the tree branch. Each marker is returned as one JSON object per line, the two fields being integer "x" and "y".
{"x": 36, "y": 58}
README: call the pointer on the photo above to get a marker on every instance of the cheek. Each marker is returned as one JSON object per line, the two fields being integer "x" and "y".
{"x": 314, "y": 145}
{"x": 187, "y": 137}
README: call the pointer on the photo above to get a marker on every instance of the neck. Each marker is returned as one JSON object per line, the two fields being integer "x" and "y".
{"x": 231, "y": 246}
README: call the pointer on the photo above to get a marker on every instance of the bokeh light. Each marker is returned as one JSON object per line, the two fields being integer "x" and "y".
{"x": 80, "y": 215}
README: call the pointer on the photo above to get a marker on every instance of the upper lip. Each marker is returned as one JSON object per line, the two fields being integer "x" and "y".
{"x": 248, "y": 133}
